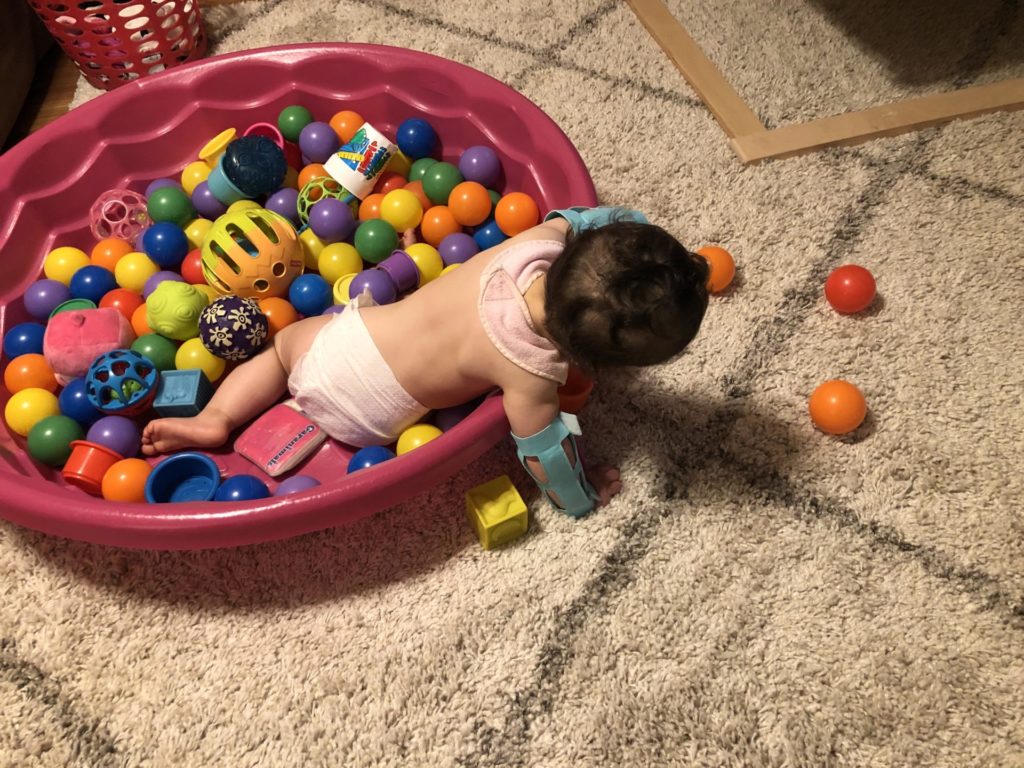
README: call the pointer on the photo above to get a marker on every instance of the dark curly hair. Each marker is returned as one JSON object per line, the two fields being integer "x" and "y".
{"x": 624, "y": 294}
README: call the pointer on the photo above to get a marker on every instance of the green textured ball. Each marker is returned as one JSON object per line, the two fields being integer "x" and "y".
{"x": 157, "y": 348}
{"x": 439, "y": 181}
{"x": 50, "y": 440}
{"x": 420, "y": 168}
{"x": 170, "y": 204}
{"x": 292, "y": 120}
{"x": 173, "y": 309}
{"x": 375, "y": 240}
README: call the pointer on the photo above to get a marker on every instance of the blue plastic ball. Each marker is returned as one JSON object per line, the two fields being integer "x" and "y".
{"x": 165, "y": 243}
{"x": 310, "y": 294}
{"x": 255, "y": 165}
{"x": 74, "y": 402}
{"x": 24, "y": 339}
{"x": 367, "y": 457}
{"x": 489, "y": 235}
{"x": 242, "y": 488}
{"x": 416, "y": 138}
{"x": 92, "y": 282}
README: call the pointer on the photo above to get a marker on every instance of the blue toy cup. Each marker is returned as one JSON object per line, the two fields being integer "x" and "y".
{"x": 221, "y": 186}
{"x": 187, "y": 476}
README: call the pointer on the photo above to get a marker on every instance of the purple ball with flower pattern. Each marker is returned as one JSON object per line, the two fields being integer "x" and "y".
{"x": 233, "y": 328}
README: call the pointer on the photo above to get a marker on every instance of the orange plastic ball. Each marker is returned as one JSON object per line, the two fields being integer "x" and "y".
{"x": 29, "y": 370}
{"x": 126, "y": 480}
{"x": 370, "y": 207}
{"x": 837, "y": 407}
{"x": 470, "y": 203}
{"x": 310, "y": 172}
{"x": 437, "y": 224}
{"x": 139, "y": 322}
{"x": 108, "y": 251}
{"x": 516, "y": 212}
{"x": 723, "y": 268}
{"x": 123, "y": 300}
{"x": 279, "y": 313}
{"x": 345, "y": 124}
{"x": 416, "y": 187}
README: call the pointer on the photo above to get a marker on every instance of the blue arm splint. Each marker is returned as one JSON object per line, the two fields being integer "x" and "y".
{"x": 581, "y": 219}
{"x": 565, "y": 485}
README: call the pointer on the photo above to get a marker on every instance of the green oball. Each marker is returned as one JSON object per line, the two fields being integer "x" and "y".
{"x": 50, "y": 439}
{"x": 292, "y": 120}
{"x": 419, "y": 168}
{"x": 170, "y": 204}
{"x": 157, "y": 348}
{"x": 439, "y": 181}
{"x": 375, "y": 240}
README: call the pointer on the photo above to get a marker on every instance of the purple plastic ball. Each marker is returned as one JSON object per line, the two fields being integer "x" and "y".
{"x": 43, "y": 296}
{"x": 160, "y": 184}
{"x": 377, "y": 282}
{"x": 139, "y": 238}
{"x": 334, "y": 309}
{"x": 446, "y": 418}
{"x": 457, "y": 248}
{"x": 331, "y": 220}
{"x": 205, "y": 203}
{"x": 154, "y": 280}
{"x": 296, "y": 484}
{"x": 318, "y": 142}
{"x": 480, "y": 164}
{"x": 285, "y": 203}
{"x": 118, "y": 433}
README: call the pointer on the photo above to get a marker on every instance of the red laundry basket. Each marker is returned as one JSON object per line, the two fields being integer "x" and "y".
{"x": 116, "y": 41}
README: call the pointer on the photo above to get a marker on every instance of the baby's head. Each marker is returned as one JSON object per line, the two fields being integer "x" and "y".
{"x": 624, "y": 294}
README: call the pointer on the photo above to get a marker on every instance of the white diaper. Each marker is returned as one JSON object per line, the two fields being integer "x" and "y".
{"x": 344, "y": 385}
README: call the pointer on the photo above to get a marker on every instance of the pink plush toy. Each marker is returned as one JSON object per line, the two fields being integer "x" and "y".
{"x": 74, "y": 339}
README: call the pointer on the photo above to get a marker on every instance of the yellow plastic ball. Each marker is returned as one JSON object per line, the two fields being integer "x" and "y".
{"x": 193, "y": 175}
{"x": 312, "y": 247}
{"x": 428, "y": 261}
{"x": 401, "y": 209}
{"x": 449, "y": 268}
{"x": 415, "y": 436}
{"x": 196, "y": 231}
{"x": 242, "y": 205}
{"x": 62, "y": 263}
{"x": 209, "y": 290}
{"x": 291, "y": 179}
{"x": 29, "y": 406}
{"x": 341, "y": 286}
{"x": 134, "y": 269}
{"x": 337, "y": 260}
{"x": 192, "y": 354}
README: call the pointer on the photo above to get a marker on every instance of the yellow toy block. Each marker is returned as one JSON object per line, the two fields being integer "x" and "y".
{"x": 497, "y": 512}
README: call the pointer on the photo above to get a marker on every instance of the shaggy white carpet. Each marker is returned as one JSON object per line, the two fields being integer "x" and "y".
{"x": 760, "y": 594}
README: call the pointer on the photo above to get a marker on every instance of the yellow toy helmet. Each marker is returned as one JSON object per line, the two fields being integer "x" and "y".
{"x": 252, "y": 253}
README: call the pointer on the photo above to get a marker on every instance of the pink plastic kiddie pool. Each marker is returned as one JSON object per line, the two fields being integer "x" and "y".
{"x": 152, "y": 128}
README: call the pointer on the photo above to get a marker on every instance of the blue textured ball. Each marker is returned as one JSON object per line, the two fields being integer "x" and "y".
{"x": 233, "y": 328}
{"x": 255, "y": 165}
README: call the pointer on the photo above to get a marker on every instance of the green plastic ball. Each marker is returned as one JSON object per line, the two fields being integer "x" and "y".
{"x": 495, "y": 197}
{"x": 439, "y": 181}
{"x": 420, "y": 168}
{"x": 157, "y": 348}
{"x": 49, "y": 441}
{"x": 375, "y": 240}
{"x": 170, "y": 204}
{"x": 292, "y": 120}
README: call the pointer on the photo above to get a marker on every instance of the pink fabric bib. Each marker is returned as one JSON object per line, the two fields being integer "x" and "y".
{"x": 504, "y": 313}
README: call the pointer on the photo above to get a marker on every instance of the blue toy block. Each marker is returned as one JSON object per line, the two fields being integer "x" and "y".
{"x": 182, "y": 393}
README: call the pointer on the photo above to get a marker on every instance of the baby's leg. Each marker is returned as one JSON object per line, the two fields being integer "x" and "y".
{"x": 247, "y": 391}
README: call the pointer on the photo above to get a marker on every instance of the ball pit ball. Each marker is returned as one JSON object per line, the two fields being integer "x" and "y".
{"x": 446, "y": 418}
{"x": 126, "y": 481}
{"x": 162, "y": 183}
{"x": 133, "y": 270}
{"x": 318, "y": 141}
{"x": 158, "y": 349}
{"x": 154, "y": 281}
{"x": 292, "y": 120}
{"x": 310, "y": 294}
{"x": 401, "y": 209}
{"x": 416, "y": 187}
{"x": 331, "y": 220}
{"x": 469, "y": 203}
{"x": 377, "y": 283}
{"x": 118, "y": 433}
{"x": 49, "y": 441}
{"x": 31, "y": 370}
{"x": 192, "y": 267}
{"x": 234, "y": 328}
{"x": 428, "y": 261}
{"x": 206, "y": 203}
{"x": 388, "y": 181}
{"x": 296, "y": 484}
{"x": 195, "y": 232}
{"x": 369, "y": 208}
{"x": 74, "y": 402}
{"x": 722, "y": 267}
{"x": 139, "y": 323}
{"x": 192, "y": 354}
{"x": 457, "y": 248}
{"x": 24, "y": 339}
{"x": 62, "y": 263}
{"x": 123, "y": 300}
{"x": 438, "y": 222}
{"x": 439, "y": 181}
{"x": 170, "y": 204}
{"x": 28, "y": 407}
{"x": 850, "y": 289}
{"x": 242, "y": 488}
{"x": 279, "y": 314}
{"x": 345, "y": 123}
{"x": 165, "y": 243}
{"x": 488, "y": 235}
{"x": 375, "y": 240}
{"x": 420, "y": 167}
{"x": 44, "y": 296}
{"x": 516, "y": 212}
{"x": 337, "y": 260}
{"x": 312, "y": 171}
{"x": 415, "y": 436}
{"x": 284, "y": 203}
{"x": 416, "y": 138}
{"x": 837, "y": 407}
{"x": 480, "y": 164}
{"x": 108, "y": 251}
{"x": 92, "y": 283}
{"x": 365, "y": 458}
{"x": 193, "y": 175}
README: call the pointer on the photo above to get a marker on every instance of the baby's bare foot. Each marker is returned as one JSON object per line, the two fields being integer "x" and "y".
{"x": 207, "y": 430}
{"x": 606, "y": 482}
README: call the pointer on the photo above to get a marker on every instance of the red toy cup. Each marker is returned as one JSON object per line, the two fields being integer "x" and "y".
{"x": 573, "y": 395}
{"x": 88, "y": 464}
{"x": 116, "y": 42}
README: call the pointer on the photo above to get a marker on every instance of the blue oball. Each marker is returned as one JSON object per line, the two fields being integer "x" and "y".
{"x": 74, "y": 402}
{"x": 24, "y": 339}
{"x": 367, "y": 457}
{"x": 92, "y": 282}
{"x": 310, "y": 294}
{"x": 489, "y": 235}
{"x": 416, "y": 138}
{"x": 255, "y": 165}
{"x": 165, "y": 243}
{"x": 242, "y": 488}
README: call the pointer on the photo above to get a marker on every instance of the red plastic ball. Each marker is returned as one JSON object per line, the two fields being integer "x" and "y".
{"x": 850, "y": 289}
{"x": 192, "y": 268}
{"x": 388, "y": 181}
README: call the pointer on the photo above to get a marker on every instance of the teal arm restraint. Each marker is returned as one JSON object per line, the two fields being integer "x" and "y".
{"x": 581, "y": 219}
{"x": 566, "y": 485}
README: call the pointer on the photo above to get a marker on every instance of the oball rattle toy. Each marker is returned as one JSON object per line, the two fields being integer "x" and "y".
{"x": 253, "y": 253}
{"x": 119, "y": 213}
{"x": 121, "y": 382}
{"x": 173, "y": 309}
{"x": 233, "y": 328}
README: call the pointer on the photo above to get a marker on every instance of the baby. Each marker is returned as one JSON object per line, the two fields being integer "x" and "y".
{"x": 595, "y": 287}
